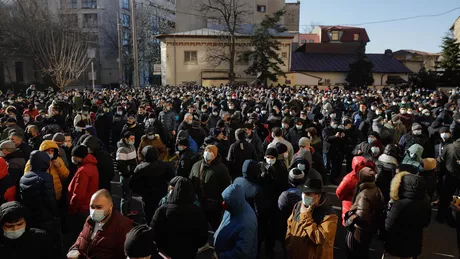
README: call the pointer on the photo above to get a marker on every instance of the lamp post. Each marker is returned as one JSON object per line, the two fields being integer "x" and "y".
{"x": 135, "y": 49}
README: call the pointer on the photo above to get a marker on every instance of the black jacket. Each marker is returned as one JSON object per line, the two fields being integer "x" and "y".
{"x": 408, "y": 214}
{"x": 151, "y": 177}
{"x": 185, "y": 163}
{"x": 330, "y": 141}
{"x": 35, "y": 143}
{"x": 239, "y": 152}
{"x": 37, "y": 189}
{"x": 138, "y": 131}
{"x": 450, "y": 156}
{"x": 16, "y": 164}
{"x": 34, "y": 243}
{"x": 105, "y": 168}
{"x": 180, "y": 227}
{"x": 274, "y": 181}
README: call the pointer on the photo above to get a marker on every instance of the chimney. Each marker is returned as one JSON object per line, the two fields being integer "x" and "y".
{"x": 388, "y": 52}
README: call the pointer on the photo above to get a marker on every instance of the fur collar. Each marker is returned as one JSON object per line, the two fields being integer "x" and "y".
{"x": 395, "y": 184}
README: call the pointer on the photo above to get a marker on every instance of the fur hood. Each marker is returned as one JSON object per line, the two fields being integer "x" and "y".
{"x": 384, "y": 158}
{"x": 407, "y": 185}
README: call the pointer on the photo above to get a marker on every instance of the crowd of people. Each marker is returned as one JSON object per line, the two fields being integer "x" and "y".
{"x": 246, "y": 163}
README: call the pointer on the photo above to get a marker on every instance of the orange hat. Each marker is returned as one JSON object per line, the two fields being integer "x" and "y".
{"x": 213, "y": 149}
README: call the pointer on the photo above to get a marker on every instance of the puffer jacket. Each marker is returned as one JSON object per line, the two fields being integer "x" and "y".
{"x": 155, "y": 142}
{"x": 257, "y": 143}
{"x": 7, "y": 183}
{"x": 168, "y": 119}
{"x": 109, "y": 242}
{"x": 346, "y": 189}
{"x": 83, "y": 185}
{"x": 409, "y": 212}
{"x": 412, "y": 160}
{"x": 179, "y": 226}
{"x": 59, "y": 174}
{"x": 367, "y": 210}
{"x": 236, "y": 236}
{"x": 37, "y": 192}
{"x": 386, "y": 168}
{"x": 311, "y": 235}
{"x": 126, "y": 158}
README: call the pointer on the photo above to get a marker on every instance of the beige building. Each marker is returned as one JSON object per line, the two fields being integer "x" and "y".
{"x": 183, "y": 58}
{"x": 455, "y": 28}
{"x": 415, "y": 60}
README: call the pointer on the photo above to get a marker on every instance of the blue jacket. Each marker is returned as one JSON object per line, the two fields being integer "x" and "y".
{"x": 236, "y": 237}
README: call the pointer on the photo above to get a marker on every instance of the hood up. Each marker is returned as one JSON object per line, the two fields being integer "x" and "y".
{"x": 356, "y": 161}
{"x": 150, "y": 154}
{"x": 416, "y": 149}
{"x": 407, "y": 185}
{"x": 183, "y": 191}
{"x": 251, "y": 170}
{"x": 39, "y": 161}
{"x": 233, "y": 195}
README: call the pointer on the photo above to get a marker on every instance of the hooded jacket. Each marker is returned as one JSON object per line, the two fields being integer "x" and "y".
{"x": 408, "y": 214}
{"x": 179, "y": 226}
{"x": 37, "y": 192}
{"x": 252, "y": 191}
{"x": 239, "y": 152}
{"x": 34, "y": 243}
{"x": 386, "y": 168}
{"x": 412, "y": 160}
{"x": 60, "y": 173}
{"x": 346, "y": 189}
{"x": 151, "y": 177}
{"x": 109, "y": 242}
{"x": 257, "y": 143}
{"x": 83, "y": 185}
{"x": 311, "y": 235}
{"x": 236, "y": 236}
{"x": 7, "y": 183}
{"x": 104, "y": 162}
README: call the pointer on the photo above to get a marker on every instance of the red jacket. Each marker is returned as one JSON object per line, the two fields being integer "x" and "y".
{"x": 7, "y": 181}
{"x": 347, "y": 187}
{"x": 83, "y": 185}
{"x": 108, "y": 242}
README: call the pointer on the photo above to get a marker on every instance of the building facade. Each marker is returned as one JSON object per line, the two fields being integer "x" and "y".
{"x": 455, "y": 29}
{"x": 416, "y": 60}
{"x": 183, "y": 58}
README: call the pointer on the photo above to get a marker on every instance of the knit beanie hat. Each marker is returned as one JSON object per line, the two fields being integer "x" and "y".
{"x": 281, "y": 148}
{"x": 296, "y": 177}
{"x": 271, "y": 152}
{"x": 183, "y": 142}
{"x": 416, "y": 126}
{"x": 213, "y": 149}
{"x": 80, "y": 151}
{"x": 429, "y": 164}
{"x": 139, "y": 242}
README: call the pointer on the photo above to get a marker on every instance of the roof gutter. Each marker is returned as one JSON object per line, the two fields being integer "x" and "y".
{"x": 317, "y": 77}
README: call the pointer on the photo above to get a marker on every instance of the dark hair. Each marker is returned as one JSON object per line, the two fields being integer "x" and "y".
{"x": 277, "y": 132}
{"x": 128, "y": 134}
{"x": 312, "y": 131}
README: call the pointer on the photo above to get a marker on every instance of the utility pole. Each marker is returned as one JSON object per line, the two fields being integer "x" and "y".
{"x": 120, "y": 49}
{"x": 135, "y": 50}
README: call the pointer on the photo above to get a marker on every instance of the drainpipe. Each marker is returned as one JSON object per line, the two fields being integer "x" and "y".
{"x": 381, "y": 79}
{"x": 175, "y": 62}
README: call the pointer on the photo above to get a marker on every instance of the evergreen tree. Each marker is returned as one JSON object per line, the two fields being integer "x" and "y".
{"x": 360, "y": 74}
{"x": 265, "y": 57}
{"x": 450, "y": 61}
{"x": 425, "y": 79}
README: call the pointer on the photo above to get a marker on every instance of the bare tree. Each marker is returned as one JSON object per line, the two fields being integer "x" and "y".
{"x": 58, "y": 45}
{"x": 230, "y": 14}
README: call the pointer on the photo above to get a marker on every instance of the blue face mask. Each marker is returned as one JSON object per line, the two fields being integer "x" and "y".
{"x": 180, "y": 148}
{"x": 370, "y": 140}
{"x": 14, "y": 234}
{"x": 307, "y": 200}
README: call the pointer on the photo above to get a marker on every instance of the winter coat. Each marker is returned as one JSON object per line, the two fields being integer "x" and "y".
{"x": 109, "y": 242}
{"x": 236, "y": 236}
{"x": 34, "y": 243}
{"x": 450, "y": 156}
{"x": 288, "y": 145}
{"x": 83, "y": 185}
{"x": 346, "y": 189}
{"x": 210, "y": 180}
{"x": 180, "y": 227}
{"x": 274, "y": 181}
{"x": 126, "y": 158}
{"x": 413, "y": 163}
{"x": 168, "y": 119}
{"x": 239, "y": 152}
{"x": 407, "y": 140}
{"x": 35, "y": 143}
{"x": 59, "y": 174}
{"x": 101, "y": 124}
{"x": 187, "y": 159}
{"x": 104, "y": 167}
{"x": 37, "y": 192}
{"x": 7, "y": 183}
{"x": 157, "y": 143}
{"x": 137, "y": 129}
{"x": 16, "y": 164}
{"x": 311, "y": 235}
{"x": 330, "y": 141}
{"x": 304, "y": 154}
{"x": 257, "y": 143}
{"x": 386, "y": 168}
{"x": 311, "y": 173}
{"x": 294, "y": 136}
{"x": 8, "y": 130}
{"x": 409, "y": 212}
{"x": 151, "y": 177}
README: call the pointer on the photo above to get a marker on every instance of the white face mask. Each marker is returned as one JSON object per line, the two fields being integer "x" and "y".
{"x": 445, "y": 136}
{"x": 97, "y": 215}
{"x": 208, "y": 156}
{"x": 270, "y": 161}
{"x": 15, "y": 234}
{"x": 301, "y": 167}
{"x": 417, "y": 132}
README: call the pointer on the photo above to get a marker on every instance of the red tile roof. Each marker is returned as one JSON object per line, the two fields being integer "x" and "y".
{"x": 348, "y": 33}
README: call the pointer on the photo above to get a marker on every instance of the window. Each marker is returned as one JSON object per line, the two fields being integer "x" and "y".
{"x": 89, "y": 4}
{"x": 19, "y": 69}
{"x": 125, "y": 20}
{"x": 284, "y": 55}
{"x": 69, "y": 19}
{"x": 190, "y": 57}
{"x": 93, "y": 38}
{"x": 335, "y": 35}
{"x": 303, "y": 41}
{"x": 125, "y": 4}
{"x": 90, "y": 20}
{"x": 311, "y": 41}
{"x": 125, "y": 38}
{"x": 261, "y": 8}
{"x": 71, "y": 4}
{"x": 356, "y": 36}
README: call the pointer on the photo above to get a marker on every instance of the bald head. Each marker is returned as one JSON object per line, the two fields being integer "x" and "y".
{"x": 101, "y": 201}
{"x": 102, "y": 193}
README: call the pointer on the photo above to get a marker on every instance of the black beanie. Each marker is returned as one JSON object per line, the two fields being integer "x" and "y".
{"x": 183, "y": 142}
{"x": 271, "y": 152}
{"x": 139, "y": 242}
{"x": 80, "y": 151}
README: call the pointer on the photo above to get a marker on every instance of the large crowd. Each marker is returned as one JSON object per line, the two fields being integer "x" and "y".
{"x": 246, "y": 163}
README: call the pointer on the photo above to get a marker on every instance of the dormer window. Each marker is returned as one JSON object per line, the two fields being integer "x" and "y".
{"x": 335, "y": 35}
{"x": 356, "y": 36}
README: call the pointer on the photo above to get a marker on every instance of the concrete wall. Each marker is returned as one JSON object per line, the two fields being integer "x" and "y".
{"x": 31, "y": 72}
{"x": 175, "y": 71}
{"x": 456, "y": 29}
{"x": 292, "y": 16}
{"x": 311, "y": 78}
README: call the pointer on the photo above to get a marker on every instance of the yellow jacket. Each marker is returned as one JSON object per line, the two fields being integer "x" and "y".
{"x": 311, "y": 235}
{"x": 59, "y": 174}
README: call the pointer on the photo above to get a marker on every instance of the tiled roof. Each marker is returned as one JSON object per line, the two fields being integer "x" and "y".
{"x": 324, "y": 62}
{"x": 204, "y": 32}
{"x": 418, "y": 52}
{"x": 348, "y": 33}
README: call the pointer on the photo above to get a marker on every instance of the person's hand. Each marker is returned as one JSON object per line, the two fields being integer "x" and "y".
{"x": 337, "y": 134}
{"x": 455, "y": 206}
{"x": 56, "y": 163}
{"x": 304, "y": 209}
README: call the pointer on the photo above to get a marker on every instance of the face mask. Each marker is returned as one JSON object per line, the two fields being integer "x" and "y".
{"x": 403, "y": 111}
{"x": 426, "y": 114}
{"x": 334, "y": 126}
{"x": 378, "y": 112}
{"x": 301, "y": 167}
{"x": 375, "y": 150}
{"x": 445, "y": 136}
{"x": 303, "y": 117}
{"x": 286, "y": 155}
{"x": 264, "y": 112}
{"x": 150, "y": 137}
{"x": 51, "y": 156}
{"x": 26, "y": 119}
{"x": 417, "y": 132}
{"x": 370, "y": 140}
{"x": 180, "y": 148}
{"x": 215, "y": 113}
{"x": 75, "y": 161}
{"x": 168, "y": 108}
{"x": 119, "y": 113}
{"x": 14, "y": 234}
{"x": 97, "y": 215}
{"x": 298, "y": 127}
{"x": 131, "y": 143}
{"x": 285, "y": 126}
{"x": 270, "y": 161}
{"x": 307, "y": 200}
{"x": 362, "y": 110}
{"x": 208, "y": 156}
{"x": 189, "y": 122}
{"x": 203, "y": 111}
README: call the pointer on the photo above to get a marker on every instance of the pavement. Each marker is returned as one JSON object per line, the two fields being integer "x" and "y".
{"x": 439, "y": 240}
